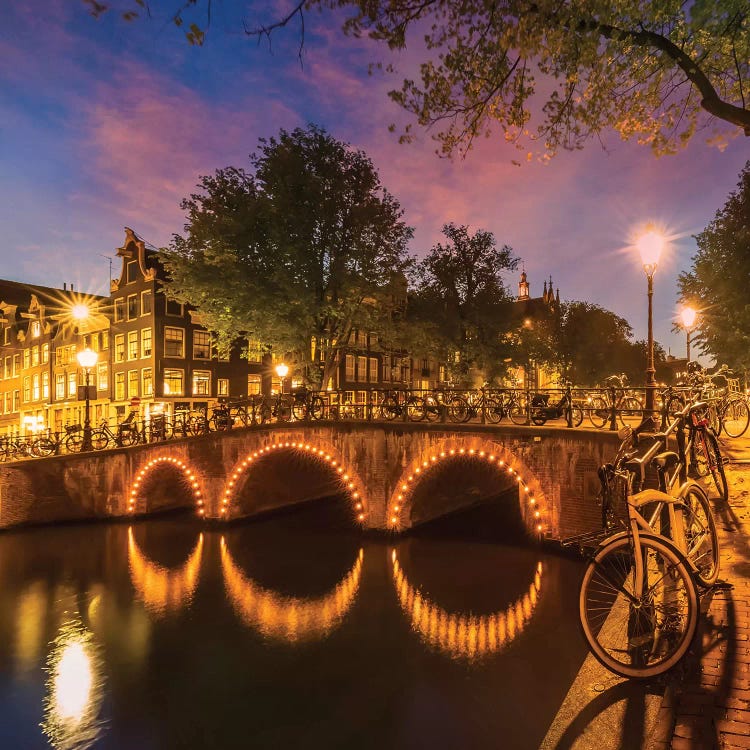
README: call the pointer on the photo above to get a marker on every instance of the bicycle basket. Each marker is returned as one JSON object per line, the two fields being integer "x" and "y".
{"x": 69, "y": 428}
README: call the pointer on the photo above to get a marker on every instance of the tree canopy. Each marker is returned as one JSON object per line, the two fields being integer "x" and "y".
{"x": 718, "y": 282}
{"x": 460, "y": 301}
{"x": 297, "y": 253}
{"x": 550, "y": 74}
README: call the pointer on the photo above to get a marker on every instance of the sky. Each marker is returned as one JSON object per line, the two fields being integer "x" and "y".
{"x": 106, "y": 124}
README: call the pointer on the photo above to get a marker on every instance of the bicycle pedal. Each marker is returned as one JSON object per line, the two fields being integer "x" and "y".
{"x": 722, "y": 585}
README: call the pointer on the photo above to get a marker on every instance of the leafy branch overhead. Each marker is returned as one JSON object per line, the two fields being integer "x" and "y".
{"x": 551, "y": 74}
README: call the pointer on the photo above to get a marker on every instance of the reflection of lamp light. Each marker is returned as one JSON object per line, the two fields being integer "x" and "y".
{"x": 650, "y": 245}
{"x": 688, "y": 316}
{"x": 87, "y": 359}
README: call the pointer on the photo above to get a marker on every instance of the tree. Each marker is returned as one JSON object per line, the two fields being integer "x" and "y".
{"x": 656, "y": 70}
{"x": 461, "y": 301}
{"x": 295, "y": 254}
{"x": 718, "y": 281}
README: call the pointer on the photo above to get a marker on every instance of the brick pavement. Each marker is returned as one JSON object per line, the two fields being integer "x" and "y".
{"x": 707, "y": 701}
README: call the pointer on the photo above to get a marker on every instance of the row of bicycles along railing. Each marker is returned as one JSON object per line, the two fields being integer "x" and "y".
{"x": 657, "y": 550}
{"x": 611, "y": 406}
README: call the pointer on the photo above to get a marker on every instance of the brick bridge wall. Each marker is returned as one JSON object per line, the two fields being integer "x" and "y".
{"x": 396, "y": 476}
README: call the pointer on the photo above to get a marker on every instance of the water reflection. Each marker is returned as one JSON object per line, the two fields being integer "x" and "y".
{"x": 162, "y": 590}
{"x": 31, "y": 613}
{"x": 464, "y": 636}
{"x": 74, "y": 689}
{"x": 288, "y": 618}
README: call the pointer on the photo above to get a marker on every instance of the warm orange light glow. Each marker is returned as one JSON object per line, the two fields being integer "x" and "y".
{"x": 688, "y": 316}
{"x": 650, "y": 245}
{"x": 80, "y": 311}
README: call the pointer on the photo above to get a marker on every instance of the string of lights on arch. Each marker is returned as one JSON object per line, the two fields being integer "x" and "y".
{"x": 408, "y": 483}
{"x": 189, "y": 474}
{"x": 346, "y": 476}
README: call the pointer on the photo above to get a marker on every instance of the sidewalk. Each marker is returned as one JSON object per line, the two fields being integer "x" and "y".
{"x": 707, "y": 703}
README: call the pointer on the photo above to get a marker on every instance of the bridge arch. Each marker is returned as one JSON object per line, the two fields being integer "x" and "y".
{"x": 137, "y": 502}
{"x": 288, "y": 618}
{"x": 346, "y": 475}
{"x": 163, "y": 590}
{"x": 466, "y": 636}
{"x": 534, "y": 506}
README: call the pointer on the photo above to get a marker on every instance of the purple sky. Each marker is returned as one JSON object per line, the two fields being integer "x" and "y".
{"x": 105, "y": 124}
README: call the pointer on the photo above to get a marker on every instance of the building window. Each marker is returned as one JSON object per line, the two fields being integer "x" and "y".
{"x": 133, "y": 345}
{"x": 361, "y": 369}
{"x": 26, "y": 359}
{"x": 373, "y": 369}
{"x": 26, "y": 389}
{"x": 6, "y": 335}
{"x": 386, "y": 371}
{"x": 45, "y": 353}
{"x": 222, "y": 385}
{"x": 36, "y": 329}
{"x": 201, "y": 345}
{"x": 132, "y": 269}
{"x": 174, "y": 308}
{"x": 7, "y": 402}
{"x": 146, "y": 346}
{"x": 173, "y": 382}
{"x": 254, "y": 351}
{"x": 16, "y": 364}
{"x": 174, "y": 342}
{"x": 132, "y": 307}
{"x": 72, "y": 384}
{"x": 147, "y": 302}
{"x": 119, "y": 309}
{"x": 349, "y": 367}
{"x": 16, "y": 400}
{"x": 104, "y": 341}
{"x": 60, "y": 386}
{"x": 34, "y": 356}
{"x": 119, "y": 386}
{"x": 45, "y": 385}
{"x": 120, "y": 347}
{"x": 253, "y": 385}
{"x": 132, "y": 383}
{"x": 102, "y": 379}
{"x": 8, "y": 366}
{"x": 201, "y": 383}
{"x": 147, "y": 381}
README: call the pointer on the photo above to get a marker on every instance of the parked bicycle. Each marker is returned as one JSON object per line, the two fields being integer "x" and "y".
{"x": 541, "y": 410}
{"x": 127, "y": 434}
{"x": 616, "y": 395}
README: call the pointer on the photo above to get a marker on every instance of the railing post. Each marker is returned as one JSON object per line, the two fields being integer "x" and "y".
{"x": 613, "y": 409}
{"x": 569, "y": 404}
{"x": 528, "y": 401}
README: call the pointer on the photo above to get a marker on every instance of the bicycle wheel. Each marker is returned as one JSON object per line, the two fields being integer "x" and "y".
{"x": 598, "y": 412}
{"x": 196, "y": 424}
{"x": 517, "y": 413}
{"x": 389, "y": 408}
{"x": 701, "y": 538}
{"x": 431, "y": 408}
{"x": 630, "y": 408}
{"x": 43, "y": 447}
{"x": 299, "y": 410}
{"x": 458, "y": 409}
{"x": 638, "y": 636}
{"x": 74, "y": 442}
{"x": 735, "y": 417}
{"x": 317, "y": 408}
{"x": 283, "y": 410}
{"x": 674, "y": 405}
{"x": 576, "y": 415}
{"x": 493, "y": 410}
{"x": 99, "y": 440}
{"x": 707, "y": 459}
{"x": 129, "y": 437}
{"x": 415, "y": 409}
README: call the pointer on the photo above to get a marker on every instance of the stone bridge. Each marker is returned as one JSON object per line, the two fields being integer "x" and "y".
{"x": 395, "y": 476}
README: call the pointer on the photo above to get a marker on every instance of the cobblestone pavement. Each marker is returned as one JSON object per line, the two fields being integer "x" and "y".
{"x": 707, "y": 701}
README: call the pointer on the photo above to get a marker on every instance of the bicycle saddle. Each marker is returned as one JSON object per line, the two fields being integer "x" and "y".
{"x": 697, "y": 406}
{"x": 665, "y": 461}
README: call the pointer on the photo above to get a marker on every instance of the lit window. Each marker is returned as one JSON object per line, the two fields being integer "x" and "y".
{"x": 72, "y": 384}
{"x": 27, "y": 389}
{"x": 147, "y": 299}
{"x": 146, "y": 345}
{"x": 102, "y": 379}
{"x": 119, "y": 309}
{"x": 60, "y": 386}
{"x": 201, "y": 383}
{"x": 147, "y": 381}
{"x": 132, "y": 306}
{"x": 119, "y": 386}
{"x": 173, "y": 382}
{"x": 350, "y": 367}
{"x": 201, "y": 345}
{"x": 45, "y": 385}
{"x": 174, "y": 342}
{"x": 361, "y": 369}
{"x": 373, "y": 370}
{"x": 132, "y": 383}
{"x": 222, "y": 385}
{"x": 34, "y": 356}
{"x": 253, "y": 385}
{"x": 45, "y": 353}
{"x": 120, "y": 347}
{"x": 133, "y": 345}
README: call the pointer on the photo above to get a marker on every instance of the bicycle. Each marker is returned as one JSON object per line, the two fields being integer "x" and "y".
{"x": 516, "y": 407}
{"x": 396, "y": 404}
{"x": 465, "y": 408}
{"x": 127, "y": 434}
{"x": 617, "y": 396}
{"x": 638, "y": 601}
{"x": 307, "y": 405}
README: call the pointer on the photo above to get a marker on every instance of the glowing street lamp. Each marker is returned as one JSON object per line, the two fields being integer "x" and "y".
{"x": 282, "y": 371}
{"x": 688, "y": 316}
{"x": 650, "y": 245}
{"x": 87, "y": 360}
{"x": 80, "y": 311}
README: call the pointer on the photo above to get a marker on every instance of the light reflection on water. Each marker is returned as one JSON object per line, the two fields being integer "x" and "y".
{"x": 462, "y": 635}
{"x": 261, "y": 636}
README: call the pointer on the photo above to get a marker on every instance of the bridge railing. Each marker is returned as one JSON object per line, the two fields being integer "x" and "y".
{"x": 602, "y": 408}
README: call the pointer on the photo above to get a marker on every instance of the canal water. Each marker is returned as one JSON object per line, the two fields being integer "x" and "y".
{"x": 290, "y": 632}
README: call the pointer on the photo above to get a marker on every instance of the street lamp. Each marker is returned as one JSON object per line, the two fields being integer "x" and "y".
{"x": 688, "y": 316}
{"x": 87, "y": 360}
{"x": 282, "y": 371}
{"x": 80, "y": 311}
{"x": 650, "y": 245}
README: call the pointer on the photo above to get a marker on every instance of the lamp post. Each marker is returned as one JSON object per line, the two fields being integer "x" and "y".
{"x": 282, "y": 371}
{"x": 650, "y": 245}
{"x": 688, "y": 316}
{"x": 87, "y": 359}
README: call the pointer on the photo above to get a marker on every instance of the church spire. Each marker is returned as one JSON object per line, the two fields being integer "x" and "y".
{"x": 523, "y": 285}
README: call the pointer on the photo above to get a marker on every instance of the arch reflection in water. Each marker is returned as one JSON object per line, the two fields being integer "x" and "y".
{"x": 464, "y": 636}
{"x": 75, "y": 689}
{"x": 163, "y": 591}
{"x": 287, "y": 618}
